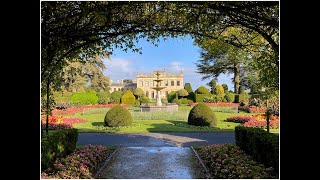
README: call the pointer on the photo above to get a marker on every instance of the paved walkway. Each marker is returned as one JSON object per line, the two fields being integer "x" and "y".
{"x": 156, "y": 139}
{"x": 154, "y": 155}
{"x": 152, "y": 163}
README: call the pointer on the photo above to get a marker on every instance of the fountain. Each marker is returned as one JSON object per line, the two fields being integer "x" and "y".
{"x": 158, "y": 88}
{"x": 158, "y": 107}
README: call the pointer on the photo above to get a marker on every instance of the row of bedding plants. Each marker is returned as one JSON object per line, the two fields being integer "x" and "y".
{"x": 59, "y": 122}
{"x": 60, "y": 159}
{"x": 255, "y": 155}
{"x": 227, "y": 161}
{"x": 257, "y": 120}
{"x": 83, "y": 163}
{"x": 73, "y": 110}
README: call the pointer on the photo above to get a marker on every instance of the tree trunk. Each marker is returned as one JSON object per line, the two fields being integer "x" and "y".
{"x": 47, "y": 106}
{"x": 268, "y": 113}
{"x": 236, "y": 78}
{"x": 268, "y": 122}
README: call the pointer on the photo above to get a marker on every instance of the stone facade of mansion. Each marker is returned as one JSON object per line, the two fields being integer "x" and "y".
{"x": 172, "y": 82}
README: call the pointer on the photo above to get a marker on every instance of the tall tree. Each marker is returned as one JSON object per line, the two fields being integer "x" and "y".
{"x": 89, "y": 74}
{"x": 221, "y": 58}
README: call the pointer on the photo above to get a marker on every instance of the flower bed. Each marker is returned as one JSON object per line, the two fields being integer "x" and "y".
{"x": 259, "y": 120}
{"x": 81, "y": 164}
{"x": 252, "y": 109}
{"x": 238, "y": 119}
{"x": 52, "y": 119}
{"x": 52, "y": 126}
{"x": 55, "y": 122}
{"x": 71, "y": 111}
{"x": 262, "y": 124}
{"x": 72, "y": 121}
{"x": 217, "y": 104}
{"x": 226, "y": 161}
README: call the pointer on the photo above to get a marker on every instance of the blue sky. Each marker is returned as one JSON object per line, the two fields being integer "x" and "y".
{"x": 173, "y": 55}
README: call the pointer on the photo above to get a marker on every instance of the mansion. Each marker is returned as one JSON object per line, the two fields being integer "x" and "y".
{"x": 172, "y": 82}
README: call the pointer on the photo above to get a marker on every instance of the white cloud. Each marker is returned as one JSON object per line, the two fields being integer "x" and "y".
{"x": 175, "y": 66}
{"x": 191, "y": 76}
{"x": 119, "y": 68}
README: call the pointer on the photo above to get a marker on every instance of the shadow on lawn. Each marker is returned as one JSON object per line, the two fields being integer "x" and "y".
{"x": 98, "y": 124}
{"x": 184, "y": 124}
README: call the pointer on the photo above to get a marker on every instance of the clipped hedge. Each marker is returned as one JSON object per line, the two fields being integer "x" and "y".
{"x": 84, "y": 98}
{"x": 200, "y": 97}
{"x": 238, "y": 119}
{"x": 115, "y": 97}
{"x": 137, "y": 103}
{"x": 202, "y": 90}
{"x": 261, "y": 145}
{"x": 145, "y": 99}
{"x": 192, "y": 96}
{"x": 128, "y": 98}
{"x": 103, "y": 97}
{"x": 177, "y": 101}
{"x": 182, "y": 93}
{"x": 231, "y": 96}
{"x": 118, "y": 116}
{"x": 185, "y": 101}
{"x": 202, "y": 115}
{"x": 57, "y": 144}
{"x": 171, "y": 96}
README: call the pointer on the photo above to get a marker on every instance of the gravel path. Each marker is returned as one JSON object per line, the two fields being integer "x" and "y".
{"x": 156, "y": 139}
{"x": 153, "y": 163}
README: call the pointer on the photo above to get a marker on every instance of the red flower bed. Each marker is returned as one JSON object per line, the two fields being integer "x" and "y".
{"x": 71, "y": 121}
{"x": 238, "y": 119}
{"x": 259, "y": 120}
{"x": 218, "y": 104}
{"x": 71, "y": 111}
{"x": 51, "y": 119}
{"x": 57, "y": 120}
{"x": 263, "y": 117}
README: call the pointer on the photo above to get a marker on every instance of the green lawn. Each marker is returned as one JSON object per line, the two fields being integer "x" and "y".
{"x": 156, "y": 122}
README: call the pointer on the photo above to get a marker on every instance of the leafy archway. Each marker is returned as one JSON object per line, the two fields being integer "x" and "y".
{"x": 77, "y": 31}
